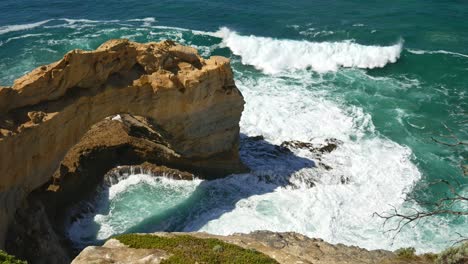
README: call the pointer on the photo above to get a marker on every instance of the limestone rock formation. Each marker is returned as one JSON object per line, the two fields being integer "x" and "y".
{"x": 192, "y": 102}
{"x": 285, "y": 248}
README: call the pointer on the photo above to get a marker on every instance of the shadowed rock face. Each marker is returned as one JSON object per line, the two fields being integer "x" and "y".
{"x": 192, "y": 103}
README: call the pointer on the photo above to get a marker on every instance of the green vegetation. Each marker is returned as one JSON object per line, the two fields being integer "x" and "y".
{"x": 454, "y": 255}
{"x": 9, "y": 259}
{"x": 188, "y": 249}
{"x": 406, "y": 253}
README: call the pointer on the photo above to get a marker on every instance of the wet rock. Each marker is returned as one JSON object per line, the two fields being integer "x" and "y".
{"x": 257, "y": 138}
{"x": 344, "y": 179}
{"x": 330, "y": 145}
{"x": 325, "y": 166}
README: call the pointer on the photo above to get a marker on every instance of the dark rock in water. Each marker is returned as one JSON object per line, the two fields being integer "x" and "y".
{"x": 344, "y": 179}
{"x": 331, "y": 145}
{"x": 257, "y": 138}
{"x": 298, "y": 145}
{"x": 309, "y": 183}
{"x": 325, "y": 166}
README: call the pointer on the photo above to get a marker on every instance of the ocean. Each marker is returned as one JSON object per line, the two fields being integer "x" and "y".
{"x": 382, "y": 77}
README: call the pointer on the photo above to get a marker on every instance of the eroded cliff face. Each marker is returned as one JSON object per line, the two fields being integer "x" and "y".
{"x": 192, "y": 104}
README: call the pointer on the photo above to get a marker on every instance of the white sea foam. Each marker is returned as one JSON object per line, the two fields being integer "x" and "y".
{"x": 12, "y": 28}
{"x": 275, "y": 55}
{"x": 134, "y": 179}
{"x": 420, "y": 52}
{"x": 123, "y": 185}
{"x": 313, "y": 33}
{"x": 195, "y": 32}
{"x": 379, "y": 172}
{"x": 110, "y": 208}
{"x": 146, "y": 19}
{"x": 27, "y": 36}
{"x": 73, "y": 21}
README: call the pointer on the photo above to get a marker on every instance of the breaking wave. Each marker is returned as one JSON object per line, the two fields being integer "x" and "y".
{"x": 274, "y": 55}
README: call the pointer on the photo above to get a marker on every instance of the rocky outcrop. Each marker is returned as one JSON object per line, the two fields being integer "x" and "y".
{"x": 115, "y": 252}
{"x": 285, "y": 248}
{"x": 192, "y": 104}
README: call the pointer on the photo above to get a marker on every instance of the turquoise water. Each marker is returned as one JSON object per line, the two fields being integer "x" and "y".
{"x": 381, "y": 77}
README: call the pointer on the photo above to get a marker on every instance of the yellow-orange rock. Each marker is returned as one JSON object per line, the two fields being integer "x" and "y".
{"x": 193, "y": 101}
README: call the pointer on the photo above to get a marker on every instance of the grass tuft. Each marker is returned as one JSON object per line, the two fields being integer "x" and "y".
{"x": 189, "y": 249}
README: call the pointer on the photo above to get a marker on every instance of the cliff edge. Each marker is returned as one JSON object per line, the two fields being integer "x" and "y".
{"x": 284, "y": 248}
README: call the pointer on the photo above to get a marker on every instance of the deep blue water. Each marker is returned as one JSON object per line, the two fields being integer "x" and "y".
{"x": 383, "y": 77}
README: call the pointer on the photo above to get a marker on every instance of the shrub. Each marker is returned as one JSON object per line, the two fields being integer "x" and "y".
{"x": 407, "y": 253}
{"x": 454, "y": 255}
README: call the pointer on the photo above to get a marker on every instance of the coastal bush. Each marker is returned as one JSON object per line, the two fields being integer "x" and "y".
{"x": 9, "y": 259}
{"x": 188, "y": 249}
{"x": 407, "y": 253}
{"x": 454, "y": 255}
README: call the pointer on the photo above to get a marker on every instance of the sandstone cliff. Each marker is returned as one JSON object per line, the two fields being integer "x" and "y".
{"x": 192, "y": 103}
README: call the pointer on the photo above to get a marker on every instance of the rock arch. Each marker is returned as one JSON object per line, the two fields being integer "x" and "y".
{"x": 194, "y": 102}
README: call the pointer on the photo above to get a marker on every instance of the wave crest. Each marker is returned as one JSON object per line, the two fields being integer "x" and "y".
{"x": 12, "y": 28}
{"x": 421, "y": 52}
{"x": 274, "y": 55}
